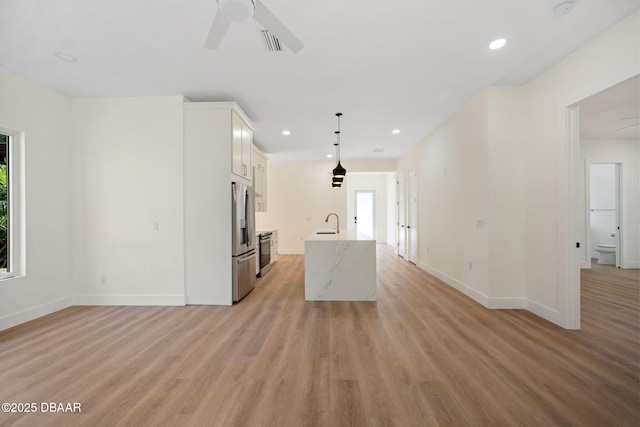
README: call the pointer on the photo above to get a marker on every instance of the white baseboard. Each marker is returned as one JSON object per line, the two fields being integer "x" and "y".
{"x": 465, "y": 289}
{"x": 632, "y": 265}
{"x": 129, "y": 300}
{"x": 507, "y": 303}
{"x": 497, "y": 302}
{"x": 545, "y": 312}
{"x": 32, "y": 313}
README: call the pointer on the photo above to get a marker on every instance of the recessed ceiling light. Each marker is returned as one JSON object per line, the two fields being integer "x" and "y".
{"x": 329, "y": 156}
{"x": 286, "y": 132}
{"x": 395, "y": 131}
{"x": 497, "y": 44}
{"x": 66, "y": 57}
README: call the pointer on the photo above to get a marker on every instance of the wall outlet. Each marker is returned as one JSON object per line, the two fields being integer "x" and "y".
{"x": 308, "y": 219}
{"x": 470, "y": 265}
{"x": 103, "y": 280}
{"x": 480, "y": 223}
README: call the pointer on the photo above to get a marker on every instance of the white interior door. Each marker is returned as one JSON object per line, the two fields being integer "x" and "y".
{"x": 401, "y": 227}
{"x": 412, "y": 218}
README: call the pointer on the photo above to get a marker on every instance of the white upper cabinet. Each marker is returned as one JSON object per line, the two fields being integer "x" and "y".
{"x": 260, "y": 179}
{"x": 242, "y": 138}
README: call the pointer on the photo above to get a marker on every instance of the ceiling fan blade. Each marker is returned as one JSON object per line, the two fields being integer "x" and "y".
{"x": 218, "y": 29}
{"x": 269, "y": 21}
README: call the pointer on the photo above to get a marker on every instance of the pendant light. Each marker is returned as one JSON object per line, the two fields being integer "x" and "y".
{"x": 338, "y": 172}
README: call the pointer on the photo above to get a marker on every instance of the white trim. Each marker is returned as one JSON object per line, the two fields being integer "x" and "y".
{"x": 465, "y": 289}
{"x": 507, "y": 303}
{"x": 547, "y": 313}
{"x": 32, "y": 313}
{"x": 156, "y": 300}
{"x": 631, "y": 265}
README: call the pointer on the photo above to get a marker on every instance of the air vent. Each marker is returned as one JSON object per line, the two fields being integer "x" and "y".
{"x": 378, "y": 150}
{"x": 271, "y": 42}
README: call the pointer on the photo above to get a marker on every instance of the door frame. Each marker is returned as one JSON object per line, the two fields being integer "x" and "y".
{"x": 401, "y": 215}
{"x": 569, "y": 235}
{"x": 412, "y": 209}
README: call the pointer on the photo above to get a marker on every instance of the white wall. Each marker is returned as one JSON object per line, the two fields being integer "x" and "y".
{"x": 300, "y": 197}
{"x": 128, "y": 243}
{"x": 45, "y": 117}
{"x": 627, "y": 153}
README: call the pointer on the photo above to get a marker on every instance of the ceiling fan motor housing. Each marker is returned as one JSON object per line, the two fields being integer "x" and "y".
{"x": 237, "y": 10}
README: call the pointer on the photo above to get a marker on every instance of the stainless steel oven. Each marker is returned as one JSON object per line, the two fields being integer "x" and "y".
{"x": 265, "y": 253}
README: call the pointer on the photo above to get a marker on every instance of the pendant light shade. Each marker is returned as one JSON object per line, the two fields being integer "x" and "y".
{"x": 339, "y": 171}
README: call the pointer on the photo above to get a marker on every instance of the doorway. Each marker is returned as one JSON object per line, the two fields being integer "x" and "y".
{"x": 603, "y": 214}
{"x": 365, "y": 212}
{"x": 620, "y": 97}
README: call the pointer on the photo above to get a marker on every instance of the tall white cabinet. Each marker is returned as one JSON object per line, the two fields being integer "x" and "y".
{"x": 213, "y": 158}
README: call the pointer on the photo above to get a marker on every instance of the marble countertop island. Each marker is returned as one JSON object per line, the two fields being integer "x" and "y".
{"x": 339, "y": 267}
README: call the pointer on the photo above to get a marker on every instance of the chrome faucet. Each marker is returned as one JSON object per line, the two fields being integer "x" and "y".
{"x": 337, "y": 221}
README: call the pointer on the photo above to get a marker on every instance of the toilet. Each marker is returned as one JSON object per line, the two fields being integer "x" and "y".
{"x": 606, "y": 254}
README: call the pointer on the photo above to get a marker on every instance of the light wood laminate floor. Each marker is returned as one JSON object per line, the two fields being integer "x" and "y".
{"x": 422, "y": 355}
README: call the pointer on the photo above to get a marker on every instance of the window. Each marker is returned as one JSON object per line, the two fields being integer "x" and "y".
{"x": 12, "y": 232}
{"x": 4, "y": 205}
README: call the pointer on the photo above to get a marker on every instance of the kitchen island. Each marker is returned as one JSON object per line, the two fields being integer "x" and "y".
{"x": 339, "y": 267}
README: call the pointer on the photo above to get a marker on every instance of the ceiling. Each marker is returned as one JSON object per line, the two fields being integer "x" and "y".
{"x": 612, "y": 114}
{"x": 401, "y": 64}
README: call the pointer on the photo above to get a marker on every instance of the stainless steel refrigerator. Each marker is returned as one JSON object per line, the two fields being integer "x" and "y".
{"x": 244, "y": 240}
